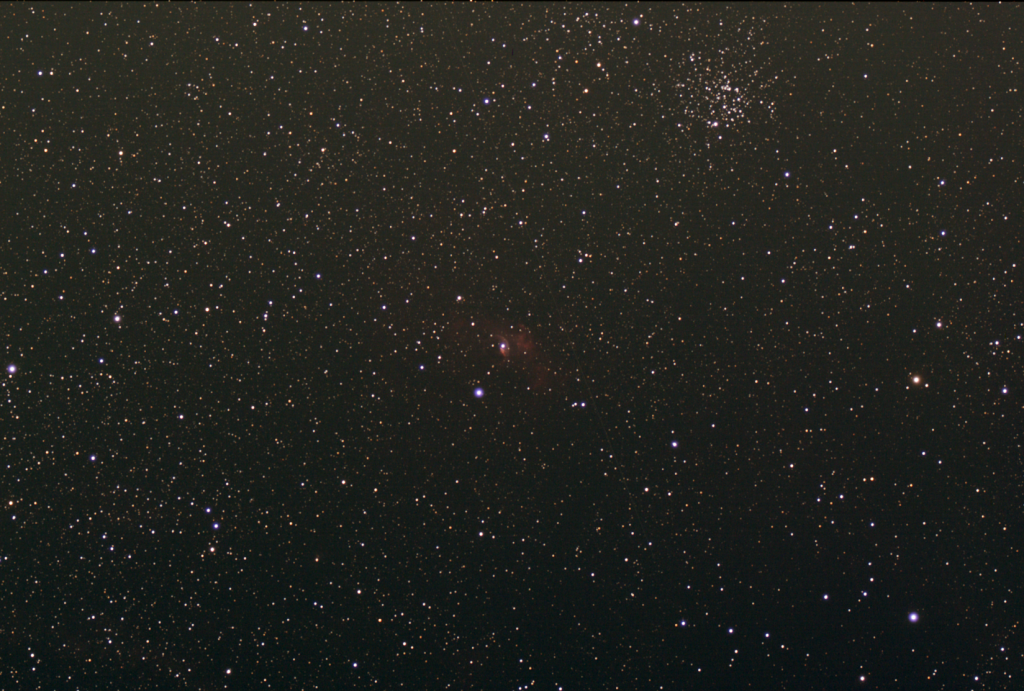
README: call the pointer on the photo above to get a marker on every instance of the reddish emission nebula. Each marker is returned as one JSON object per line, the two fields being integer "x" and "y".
{"x": 484, "y": 349}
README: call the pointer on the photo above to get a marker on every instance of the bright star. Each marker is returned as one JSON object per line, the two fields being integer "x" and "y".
{"x": 478, "y": 392}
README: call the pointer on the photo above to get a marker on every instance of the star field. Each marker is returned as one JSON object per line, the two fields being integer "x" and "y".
{"x": 511, "y": 346}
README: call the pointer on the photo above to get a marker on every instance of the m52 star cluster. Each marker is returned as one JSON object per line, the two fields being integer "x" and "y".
{"x": 447, "y": 346}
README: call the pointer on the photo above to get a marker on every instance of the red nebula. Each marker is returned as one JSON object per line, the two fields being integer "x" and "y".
{"x": 483, "y": 345}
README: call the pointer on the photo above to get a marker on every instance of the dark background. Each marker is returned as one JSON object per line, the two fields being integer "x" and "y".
{"x": 757, "y": 269}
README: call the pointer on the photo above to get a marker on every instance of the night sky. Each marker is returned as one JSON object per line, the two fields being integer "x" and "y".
{"x": 511, "y": 347}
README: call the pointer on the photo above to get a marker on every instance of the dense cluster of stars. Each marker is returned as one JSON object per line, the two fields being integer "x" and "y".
{"x": 459, "y": 346}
